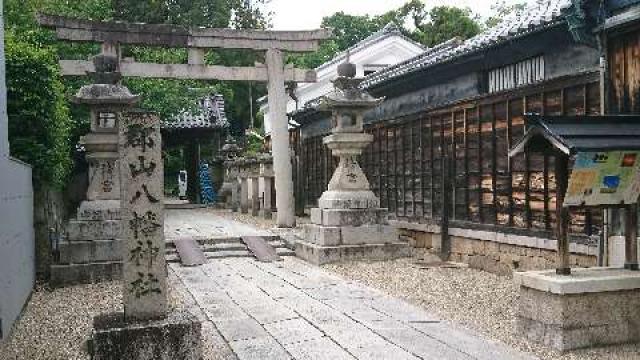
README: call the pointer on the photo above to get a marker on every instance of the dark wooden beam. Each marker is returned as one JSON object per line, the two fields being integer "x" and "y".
{"x": 562, "y": 215}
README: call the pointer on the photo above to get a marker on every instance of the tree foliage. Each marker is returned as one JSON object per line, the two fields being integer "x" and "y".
{"x": 56, "y": 134}
{"x": 445, "y": 23}
{"x": 39, "y": 122}
{"x": 429, "y": 27}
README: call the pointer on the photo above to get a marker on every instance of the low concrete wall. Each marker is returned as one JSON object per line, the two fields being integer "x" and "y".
{"x": 496, "y": 252}
{"x": 17, "y": 244}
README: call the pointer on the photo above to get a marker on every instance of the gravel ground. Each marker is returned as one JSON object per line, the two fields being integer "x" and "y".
{"x": 57, "y": 323}
{"x": 475, "y": 299}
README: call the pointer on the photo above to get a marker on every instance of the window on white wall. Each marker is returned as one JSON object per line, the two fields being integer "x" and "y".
{"x": 522, "y": 73}
{"x": 372, "y": 68}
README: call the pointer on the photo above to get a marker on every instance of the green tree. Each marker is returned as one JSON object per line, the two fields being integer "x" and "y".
{"x": 444, "y": 23}
{"x": 430, "y": 27}
{"x": 348, "y": 30}
{"x": 168, "y": 97}
{"x": 39, "y": 122}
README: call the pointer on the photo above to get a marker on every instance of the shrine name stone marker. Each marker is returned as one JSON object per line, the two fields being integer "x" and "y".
{"x": 141, "y": 168}
{"x": 147, "y": 329}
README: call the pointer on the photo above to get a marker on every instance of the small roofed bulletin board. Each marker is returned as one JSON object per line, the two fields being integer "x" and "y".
{"x": 604, "y": 179}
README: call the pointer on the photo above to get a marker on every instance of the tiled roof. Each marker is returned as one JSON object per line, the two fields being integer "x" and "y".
{"x": 539, "y": 15}
{"x": 571, "y": 134}
{"x": 210, "y": 115}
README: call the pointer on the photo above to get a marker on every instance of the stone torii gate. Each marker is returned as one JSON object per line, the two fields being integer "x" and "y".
{"x": 197, "y": 40}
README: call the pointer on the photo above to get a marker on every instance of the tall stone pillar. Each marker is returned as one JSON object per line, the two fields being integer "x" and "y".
{"x": 280, "y": 139}
{"x": 148, "y": 328}
{"x": 91, "y": 250}
{"x": 349, "y": 223}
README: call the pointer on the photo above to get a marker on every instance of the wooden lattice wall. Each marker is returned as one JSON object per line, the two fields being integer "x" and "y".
{"x": 404, "y": 163}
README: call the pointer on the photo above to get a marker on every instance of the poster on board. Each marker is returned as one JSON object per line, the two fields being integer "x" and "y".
{"x": 604, "y": 179}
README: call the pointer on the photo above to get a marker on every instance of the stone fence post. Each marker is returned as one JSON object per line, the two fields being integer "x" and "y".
{"x": 266, "y": 175}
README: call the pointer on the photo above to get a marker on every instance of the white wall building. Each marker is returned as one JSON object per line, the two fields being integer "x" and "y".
{"x": 381, "y": 49}
{"x": 17, "y": 237}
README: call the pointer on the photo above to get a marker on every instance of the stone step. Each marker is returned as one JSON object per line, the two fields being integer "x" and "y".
{"x": 172, "y": 258}
{"x": 224, "y": 247}
{"x": 72, "y": 274}
{"x": 175, "y": 258}
{"x": 223, "y": 254}
{"x": 285, "y": 252}
{"x": 82, "y": 252}
{"x": 228, "y": 247}
{"x": 208, "y": 241}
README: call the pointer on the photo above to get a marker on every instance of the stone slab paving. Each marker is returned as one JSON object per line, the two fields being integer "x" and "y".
{"x": 204, "y": 224}
{"x": 294, "y": 310}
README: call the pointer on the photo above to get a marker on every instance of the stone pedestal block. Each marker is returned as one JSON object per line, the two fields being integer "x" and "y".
{"x": 322, "y": 235}
{"x": 90, "y": 251}
{"x": 177, "y": 337}
{"x": 319, "y": 254}
{"x": 351, "y": 217}
{"x": 591, "y": 307}
{"x": 99, "y": 210}
{"x": 359, "y": 199}
{"x": 347, "y": 234}
{"x": 79, "y": 252}
{"x": 350, "y": 235}
{"x": 86, "y": 230}
{"x": 71, "y": 274}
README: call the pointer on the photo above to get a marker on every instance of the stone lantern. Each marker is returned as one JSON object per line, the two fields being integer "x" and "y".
{"x": 92, "y": 250}
{"x": 349, "y": 222}
{"x": 106, "y": 99}
{"x": 347, "y": 141}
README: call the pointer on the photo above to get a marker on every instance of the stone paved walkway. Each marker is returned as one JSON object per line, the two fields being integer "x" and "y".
{"x": 204, "y": 223}
{"x": 294, "y": 310}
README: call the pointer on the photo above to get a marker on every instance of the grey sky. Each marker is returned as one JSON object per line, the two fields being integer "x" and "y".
{"x": 307, "y": 14}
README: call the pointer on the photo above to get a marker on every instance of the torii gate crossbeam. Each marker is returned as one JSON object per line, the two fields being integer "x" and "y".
{"x": 197, "y": 41}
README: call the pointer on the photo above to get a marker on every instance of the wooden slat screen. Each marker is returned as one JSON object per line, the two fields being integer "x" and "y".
{"x": 404, "y": 162}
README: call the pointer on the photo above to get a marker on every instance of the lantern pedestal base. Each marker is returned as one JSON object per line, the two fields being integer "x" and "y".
{"x": 319, "y": 255}
{"x": 90, "y": 251}
{"x": 177, "y": 337}
{"x": 350, "y": 226}
{"x": 591, "y": 307}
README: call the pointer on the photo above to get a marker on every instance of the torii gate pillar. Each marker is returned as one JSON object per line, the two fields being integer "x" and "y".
{"x": 280, "y": 139}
